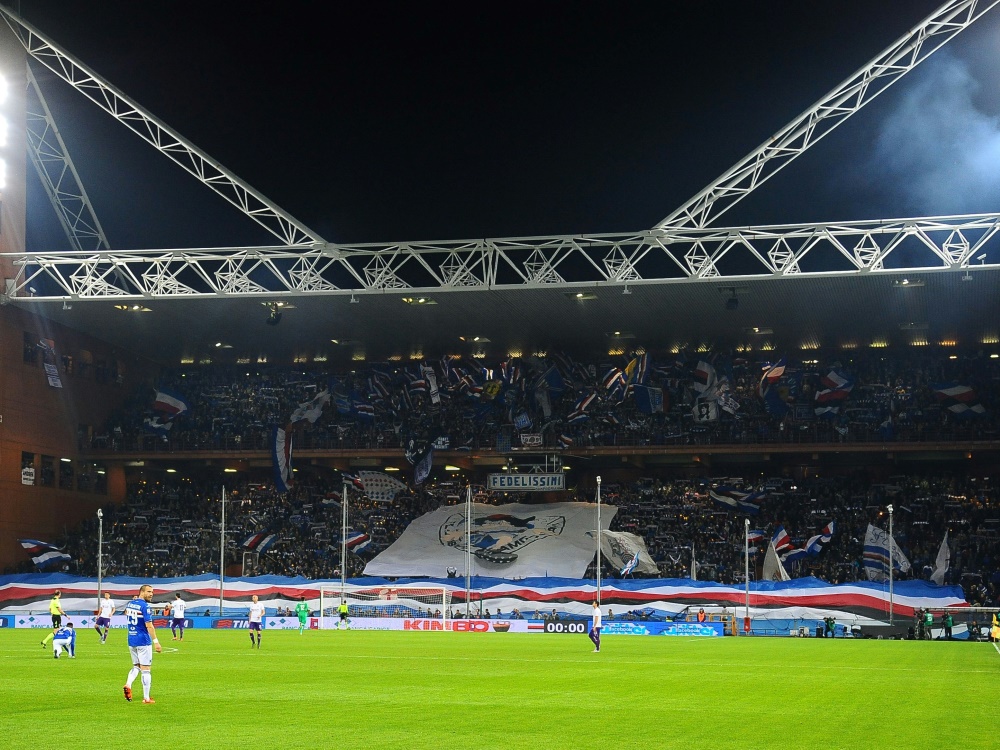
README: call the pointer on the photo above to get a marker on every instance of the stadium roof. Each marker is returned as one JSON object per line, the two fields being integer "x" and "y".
{"x": 680, "y": 284}
{"x": 788, "y": 314}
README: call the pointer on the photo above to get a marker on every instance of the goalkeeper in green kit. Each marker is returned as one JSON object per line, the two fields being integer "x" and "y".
{"x": 302, "y": 610}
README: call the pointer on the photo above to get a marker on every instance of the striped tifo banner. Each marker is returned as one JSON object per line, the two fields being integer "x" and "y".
{"x": 799, "y": 598}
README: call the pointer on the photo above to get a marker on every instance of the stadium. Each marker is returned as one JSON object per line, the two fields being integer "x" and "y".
{"x": 755, "y": 414}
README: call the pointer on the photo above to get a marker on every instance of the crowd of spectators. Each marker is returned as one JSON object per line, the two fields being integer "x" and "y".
{"x": 554, "y": 401}
{"x": 171, "y": 528}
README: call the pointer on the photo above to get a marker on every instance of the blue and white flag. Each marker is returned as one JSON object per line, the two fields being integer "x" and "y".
{"x": 630, "y": 565}
{"x": 281, "y": 453}
{"x": 648, "y": 400}
{"x": 732, "y": 499}
{"x": 45, "y": 556}
{"x": 266, "y": 543}
{"x": 876, "y": 555}
{"x": 311, "y": 410}
{"x": 815, "y": 543}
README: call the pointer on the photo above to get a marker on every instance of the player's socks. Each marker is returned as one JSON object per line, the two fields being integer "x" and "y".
{"x": 48, "y": 639}
{"x": 132, "y": 674}
{"x": 147, "y": 680}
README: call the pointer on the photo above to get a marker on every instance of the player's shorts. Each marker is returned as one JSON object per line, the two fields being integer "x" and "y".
{"x": 56, "y": 621}
{"x": 64, "y": 642}
{"x": 303, "y": 619}
{"x": 178, "y": 622}
{"x": 103, "y": 622}
{"x": 343, "y": 616}
{"x": 254, "y": 625}
{"x": 141, "y": 655}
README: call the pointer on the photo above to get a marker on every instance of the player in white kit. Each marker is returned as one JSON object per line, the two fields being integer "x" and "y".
{"x": 256, "y": 620}
{"x": 105, "y": 608}
{"x": 177, "y": 611}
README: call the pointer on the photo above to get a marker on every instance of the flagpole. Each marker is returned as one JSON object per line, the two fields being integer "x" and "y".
{"x": 468, "y": 547}
{"x": 100, "y": 551}
{"x": 598, "y": 541}
{"x": 746, "y": 570}
{"x": 222, "y": 553}
{"x": 343, "y": 541}
{"x": 891, "y": 560}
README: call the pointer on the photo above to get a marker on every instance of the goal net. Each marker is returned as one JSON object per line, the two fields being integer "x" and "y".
{"x": 387, "y": 601}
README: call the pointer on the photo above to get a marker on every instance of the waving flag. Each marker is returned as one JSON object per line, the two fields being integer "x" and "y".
{"x": 780, "y": 539}
{"x": 311, "y": 410}
{"x": 773, "y": 569}
{"x": 648, "y": 400}
{"x": 357, "y": 540}
{"x": 942, "y": 562}
{"x": 772, "y": 374}
{"x": 960, "y": 400}
{"x": 168, "y": 402}
{"x": 876, "y": 555}
{"x": 266, "y": 543}
{"x": 637, "y": 371}
{"x": 630, "y": 565}
{"x": 835, "y": 390}
{"x": 815, "y": 543}
{"x": 45, "y": 556}
{"x": 253, "y": 541}
{"x": 281, "y": 453}
{"x": 705, "y": 377}
{"x": 732, "y": 499}
{"x": 379, "y": 486}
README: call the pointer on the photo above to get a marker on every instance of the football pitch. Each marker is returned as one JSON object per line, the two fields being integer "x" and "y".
{"x": 432, "y": 690}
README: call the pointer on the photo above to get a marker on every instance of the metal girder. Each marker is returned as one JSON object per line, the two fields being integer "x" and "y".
{"x": 833, "y": 109}
{"x": 164, "y": 139}
{"x": 897, "y": 246}
{"x": 52, "y": 162}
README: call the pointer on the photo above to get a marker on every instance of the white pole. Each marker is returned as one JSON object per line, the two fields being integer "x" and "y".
{"x": 598, "y": 541}
{"x": 343, "y": 542}
{"x": 746, "y": 564}
{"x": 468, "y": 548}
{"x": 222, "y": 553}
{"x": 892, "y": 555}
{"x": 100, "y": 551}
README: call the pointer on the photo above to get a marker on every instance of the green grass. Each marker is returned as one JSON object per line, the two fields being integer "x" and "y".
{"x": 440, "y": 690}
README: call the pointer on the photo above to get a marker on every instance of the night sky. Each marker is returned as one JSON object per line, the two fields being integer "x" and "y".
{"x": 381, "y": 121}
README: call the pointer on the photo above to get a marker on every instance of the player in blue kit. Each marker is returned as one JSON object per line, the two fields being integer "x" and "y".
{"x": 64, "y": 638}
{"x": 141, "y": 642}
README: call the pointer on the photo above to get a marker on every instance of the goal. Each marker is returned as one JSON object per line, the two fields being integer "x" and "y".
{"x": 387, "y": 601}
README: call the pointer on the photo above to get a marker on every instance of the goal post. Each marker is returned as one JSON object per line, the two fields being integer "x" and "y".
{"x": 430, "y": 602}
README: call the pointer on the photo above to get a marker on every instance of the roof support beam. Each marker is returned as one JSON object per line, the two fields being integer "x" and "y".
{"x": 164, "y": 139}
{"x": 822, "y": 117}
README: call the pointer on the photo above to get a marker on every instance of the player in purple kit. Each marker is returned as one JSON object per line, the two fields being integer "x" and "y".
{"x": 141, "y": 641}
{"x": 178, "y": 615}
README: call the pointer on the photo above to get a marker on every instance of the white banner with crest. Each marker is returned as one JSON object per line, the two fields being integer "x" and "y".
{"x": 508, "y": 541}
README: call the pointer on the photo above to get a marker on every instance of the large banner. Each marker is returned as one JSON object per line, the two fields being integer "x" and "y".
{"x": 26, "y": 597}
{"x": 508, "y": 541}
